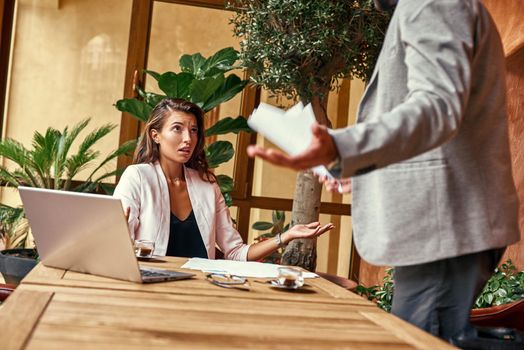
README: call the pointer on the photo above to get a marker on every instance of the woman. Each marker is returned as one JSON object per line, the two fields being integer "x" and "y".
{"x": 172, "y": 198}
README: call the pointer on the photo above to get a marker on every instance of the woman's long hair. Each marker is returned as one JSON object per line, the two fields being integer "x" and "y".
{"x": 147, "y": 149}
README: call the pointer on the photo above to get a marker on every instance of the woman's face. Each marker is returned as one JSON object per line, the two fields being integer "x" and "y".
{"x": 178, "y": 138}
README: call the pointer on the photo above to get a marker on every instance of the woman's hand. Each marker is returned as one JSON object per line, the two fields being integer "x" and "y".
{"x": 261, "y": 249}
{"x": 311, "y": 230}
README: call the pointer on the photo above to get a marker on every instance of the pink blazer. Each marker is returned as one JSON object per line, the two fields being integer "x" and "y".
{"x": 143, "y": 188}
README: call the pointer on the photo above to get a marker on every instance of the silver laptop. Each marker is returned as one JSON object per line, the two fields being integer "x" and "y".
{"x": 86, "y": 233}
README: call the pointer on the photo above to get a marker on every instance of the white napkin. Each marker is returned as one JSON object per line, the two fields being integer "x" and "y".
{"x": 238, "y": 268}
{"x": 290, "y": 130}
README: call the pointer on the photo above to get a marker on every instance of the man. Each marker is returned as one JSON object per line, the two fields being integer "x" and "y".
{"x": 433, "y": 193}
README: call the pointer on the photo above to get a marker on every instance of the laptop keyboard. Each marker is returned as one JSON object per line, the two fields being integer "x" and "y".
{"x": 155, "y": 273}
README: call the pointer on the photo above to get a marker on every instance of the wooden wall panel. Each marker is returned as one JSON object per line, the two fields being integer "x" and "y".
{"x": 7, "y": 8}
{"x": 509, "y": 18}
{"x": 515, "y": 83}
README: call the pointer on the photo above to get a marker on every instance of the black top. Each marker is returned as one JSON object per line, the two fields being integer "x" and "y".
{"x": 185, "y": 239}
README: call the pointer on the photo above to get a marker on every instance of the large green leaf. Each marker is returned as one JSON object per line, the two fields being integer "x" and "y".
{"x": 136, "y": 108}
{"x": 220, "y": 62}
{"x": 225, "y": 183}
{"x": 150, "y": 98}
{"x": 219, "y": 152}
{"x": 152, "y": 73}
{"x": 201, "y": 90}
{"x": 229, "y": 89}
{"x": 227, "y": 125}
{"x": 193, "y": 64}
{"x": 176, "y": 85}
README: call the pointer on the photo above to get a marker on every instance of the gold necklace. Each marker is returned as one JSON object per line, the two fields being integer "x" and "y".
{"x": 174, "y": 180}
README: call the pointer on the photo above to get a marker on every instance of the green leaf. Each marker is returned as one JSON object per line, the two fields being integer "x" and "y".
{"x": 7, "y": 178}
{"x": 219, "y": 152}
{"x": 278, "y": 216}
{"x": 193, "y": 64}
{"x": 229, "y": 89}
{"x": 227, "y": 125}
{"x": 262, "y": 225}
{"x": 136, "y": 108}
{"x": 201, "y": 90}
{"x": 152, "y": 73}
{"x": 501, "y": 293}
{"x": 151, "y": 98}
{"x": 176, "y": 85}
{"x": 227, "y": 198}
{"x": 494, "y": 285}
{"x": 225, "y": 182}
{"x": 220, "y": 62}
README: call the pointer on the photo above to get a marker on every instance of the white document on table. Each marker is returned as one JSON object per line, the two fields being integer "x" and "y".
{"x": 238, "y": 268}
{"x": 290, "y": 130}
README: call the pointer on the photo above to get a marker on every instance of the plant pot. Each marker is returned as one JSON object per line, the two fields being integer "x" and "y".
{"x": 15, "y": 264}
{"x": 508, "y": 315}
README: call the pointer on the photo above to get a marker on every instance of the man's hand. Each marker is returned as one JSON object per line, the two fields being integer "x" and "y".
{"x": 321, "y": 151}
{"x": 336, "y": 185}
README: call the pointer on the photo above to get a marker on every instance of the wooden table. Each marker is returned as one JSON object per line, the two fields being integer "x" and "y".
{"x": 57, "y": 309}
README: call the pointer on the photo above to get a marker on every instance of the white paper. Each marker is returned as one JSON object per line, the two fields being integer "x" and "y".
{"x": 290, "y": 130}
{"x": 238, "y": 268}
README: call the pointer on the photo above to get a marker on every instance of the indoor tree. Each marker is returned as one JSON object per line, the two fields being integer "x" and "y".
{"x": 300, "y": 49}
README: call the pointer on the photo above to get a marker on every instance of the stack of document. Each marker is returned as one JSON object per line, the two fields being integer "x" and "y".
{"x": 290, "y": 130}
{"x": 238, "y": 268}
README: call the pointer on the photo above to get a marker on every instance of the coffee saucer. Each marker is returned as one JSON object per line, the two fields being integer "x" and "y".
{"x": 275, "y": 284}
{"x": 146, "y": 258}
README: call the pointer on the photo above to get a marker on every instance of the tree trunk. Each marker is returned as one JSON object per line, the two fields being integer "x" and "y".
{"x": 306, "y": 208}
{"x": 306, "y": 205}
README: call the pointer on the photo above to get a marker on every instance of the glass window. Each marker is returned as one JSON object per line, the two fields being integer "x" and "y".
{"x": 68, "y": 63}
{"x": 177, "y": 30}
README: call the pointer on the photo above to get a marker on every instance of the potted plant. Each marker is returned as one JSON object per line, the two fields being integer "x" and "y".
{"x": 202, "y": 81}
{"x": 500, "y": 304}
{"x": 50, "y": 163}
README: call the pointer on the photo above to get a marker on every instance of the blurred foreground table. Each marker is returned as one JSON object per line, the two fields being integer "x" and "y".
{"x": 57, "y": 309}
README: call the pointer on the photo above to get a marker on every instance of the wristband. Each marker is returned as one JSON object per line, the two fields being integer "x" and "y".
{"x": 278, "y": 240}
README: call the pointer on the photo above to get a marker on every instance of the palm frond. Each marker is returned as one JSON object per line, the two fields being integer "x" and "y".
{"x": 64, "y": 145}
{"x": 125, "y": 149}
{"x": 7, "y": 178}
{"x": 22, "y": 177}
{"x": 61, "y": 154}
{"x": 17, "y": 153}
{"x": 44, "y": 153}
{"x": 92, "y": 186}
{"x": 12, "y": 231}
{"x": 69, "y": 139}
{"x": 94, "y": 136}
{"x": 77, "y": 163}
